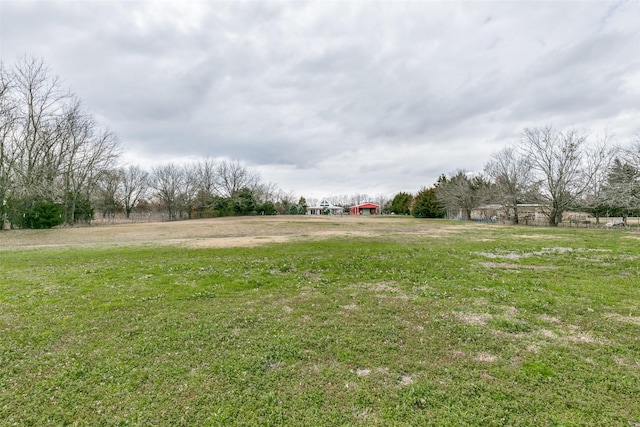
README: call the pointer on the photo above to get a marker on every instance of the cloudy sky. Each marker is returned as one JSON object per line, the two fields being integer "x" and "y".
{"x": 337, "y": 97}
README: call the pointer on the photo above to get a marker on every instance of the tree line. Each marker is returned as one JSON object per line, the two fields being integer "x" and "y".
{"x": 202, "y": 189}
{"x": 560, "y": 170}
{"x": 58, "y": 165}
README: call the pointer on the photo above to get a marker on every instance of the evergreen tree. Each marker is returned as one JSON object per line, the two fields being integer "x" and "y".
{"x": 401, "y": 204}
{"x": 302, "y": 206}
{"x": 622, "y": 191}
{"x": 426, "y": 204}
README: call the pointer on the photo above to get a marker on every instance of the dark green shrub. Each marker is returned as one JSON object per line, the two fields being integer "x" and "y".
{"x": 35, "y": 213}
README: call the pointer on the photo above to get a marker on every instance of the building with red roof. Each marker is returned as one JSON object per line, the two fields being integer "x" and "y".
{"x": 365, "y": 209}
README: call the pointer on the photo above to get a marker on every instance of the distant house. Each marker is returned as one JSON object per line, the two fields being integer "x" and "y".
{"x": 527, "y": 212}
{"x": 324, "y": 208}
{"x": 488, "y": 213}
{"x": 532, "y": 212}
{"x": 365, "y": 209}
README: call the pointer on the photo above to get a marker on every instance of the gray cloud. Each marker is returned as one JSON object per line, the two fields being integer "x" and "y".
{"x": 337, "y": 97}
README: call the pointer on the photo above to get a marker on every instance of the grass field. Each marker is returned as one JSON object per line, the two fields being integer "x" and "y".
{"x": 300, "y": 321}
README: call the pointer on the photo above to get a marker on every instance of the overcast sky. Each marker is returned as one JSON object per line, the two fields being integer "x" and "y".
{"x": 328, "y": 98}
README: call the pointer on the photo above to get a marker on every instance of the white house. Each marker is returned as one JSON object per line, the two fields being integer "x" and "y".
{"x": 324, "y": 208}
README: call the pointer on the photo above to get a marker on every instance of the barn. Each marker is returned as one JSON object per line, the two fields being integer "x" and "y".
{"x": 365, "y": 209}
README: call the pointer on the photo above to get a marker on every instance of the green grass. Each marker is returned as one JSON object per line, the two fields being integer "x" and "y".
{"x": 482, "y": 326}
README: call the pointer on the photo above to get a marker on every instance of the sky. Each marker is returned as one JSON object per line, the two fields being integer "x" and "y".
{"x": 337, "y": 97}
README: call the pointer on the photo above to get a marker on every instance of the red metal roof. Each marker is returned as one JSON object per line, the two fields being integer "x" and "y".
{"x": 366, "y": 206}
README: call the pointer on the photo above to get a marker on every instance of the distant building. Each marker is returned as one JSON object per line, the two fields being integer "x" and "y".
{"x": 527, "y": 213}
{"x": 492, "y": 213}
{"x": 365, "y": 209}
{"x": 534, "y": 212}
{"x": 324, "y": 208}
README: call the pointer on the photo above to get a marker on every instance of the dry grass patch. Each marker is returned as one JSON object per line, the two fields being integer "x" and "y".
{"x": 625, "y": 319}
{"x": 385, "y": 290}
{"x": 510, "y": 255}
{"x": 480, "y": 319}
{"x": 549, "y": 319}
{"x": 485, "y": 357}
{"x": 501, "y": 255}
{"x": 229, "y": 242}
{"x": 508, "y": 266}
{"x": 540, "y": 236}
{"x": 229, "y": 232}
{"x": 406, "y": 380}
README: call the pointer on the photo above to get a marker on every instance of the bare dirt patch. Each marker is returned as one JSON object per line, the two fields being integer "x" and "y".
{"x": 406, "y": 380}
{"x": 363, "y": 372}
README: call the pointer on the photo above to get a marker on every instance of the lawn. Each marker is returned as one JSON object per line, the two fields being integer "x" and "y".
{"x": 344, "y": 321}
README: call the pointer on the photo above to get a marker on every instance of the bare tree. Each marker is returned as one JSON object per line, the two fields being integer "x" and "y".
{"x": 631, "y": 152}
{"x": 202, "y": 185}
{"x": 284, "y": 202}
{"x": 167, "y": 181}
{"x": 189, "y": 190}
{"x": 381, "y": 200}
{"x": 266, "y": 192}
{"x": 206, "y": 175}
{"x": 52, "y": 151}
{"x": 358, "y": 198}
{"x": 8, "y": 109}
{"x": 512, "y": 177}
{"x": 134, "y": 185}
{"x": 86, "y": 152}
{"x": 231, "y": 177}
{"x": 599, "y": 161}
{"x": 562, "y": 165}
{"x": 40, "y": 103}
{"x": 460, "y": 193}
{"x": 340, "y": 200}
{"x": 107, "y": 197}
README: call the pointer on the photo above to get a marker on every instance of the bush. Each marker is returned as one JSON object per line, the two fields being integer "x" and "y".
{"x": 35, "y": 213}
{"x": 269, "y": 208}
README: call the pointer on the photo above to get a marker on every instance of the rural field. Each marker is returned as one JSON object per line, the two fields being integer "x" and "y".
{"x": 358, "y": 321}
